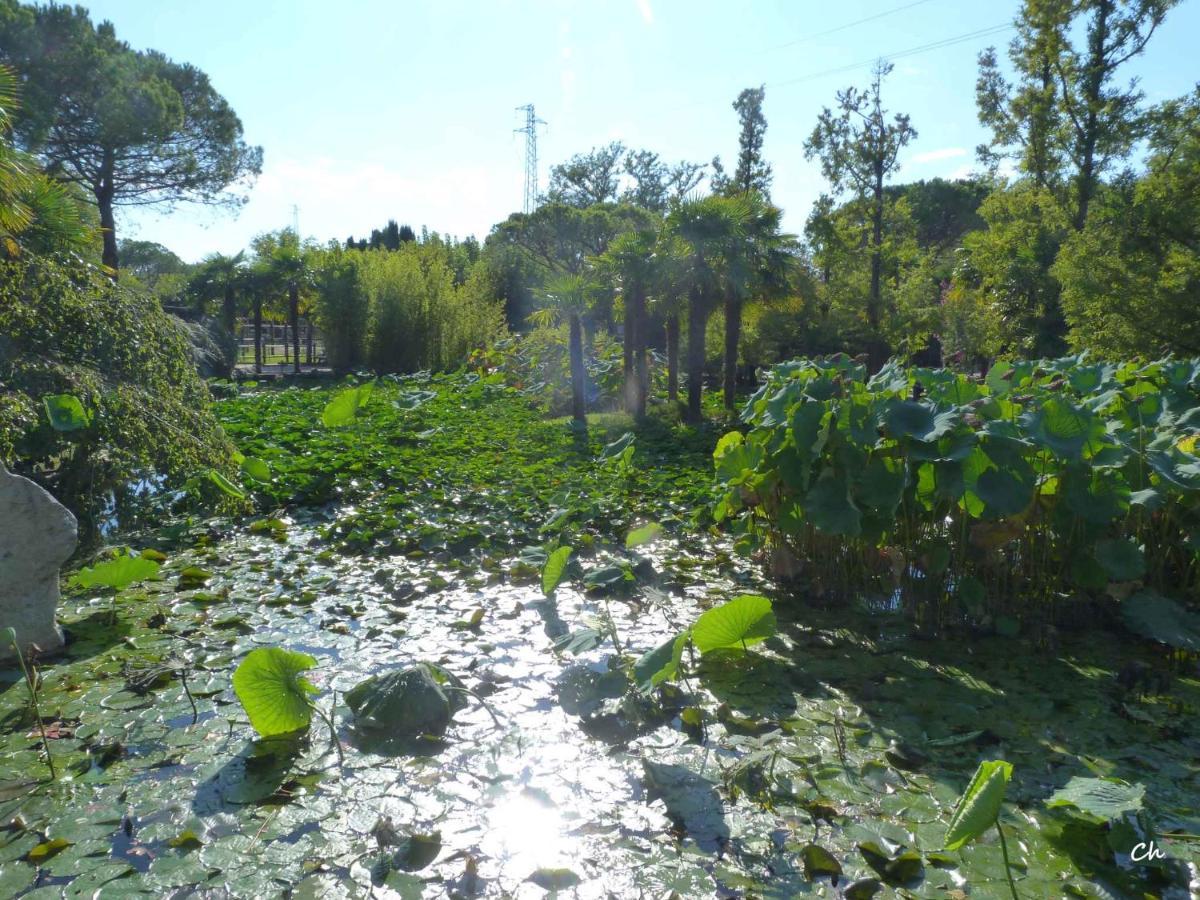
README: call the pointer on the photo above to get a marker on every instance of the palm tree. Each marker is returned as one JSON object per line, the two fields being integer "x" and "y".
{"x": 220, "y": 276}
{"x": 286, "y": 268}
{"x": 36, "y": 212}
{"x": 670, "y": 292}
{"x": 566, "y": 296}
{"x": 713, "y": 229}
{"x": 632, "y": 261}
{"x": 756, "y": 265}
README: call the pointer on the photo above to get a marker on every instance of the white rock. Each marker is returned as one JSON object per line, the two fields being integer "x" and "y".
{"x": 37, "y": 535}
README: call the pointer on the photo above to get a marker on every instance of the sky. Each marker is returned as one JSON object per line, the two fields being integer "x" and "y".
{"x": 368, "y": 110}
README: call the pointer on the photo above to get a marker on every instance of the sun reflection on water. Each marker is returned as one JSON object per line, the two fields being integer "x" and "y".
{"x": 526, "y": 832}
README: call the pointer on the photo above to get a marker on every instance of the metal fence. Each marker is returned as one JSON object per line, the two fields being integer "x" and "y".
{"x": 277, "y": 344}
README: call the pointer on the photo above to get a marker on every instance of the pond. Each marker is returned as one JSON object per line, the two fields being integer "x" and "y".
{"x": 811, "y": 765}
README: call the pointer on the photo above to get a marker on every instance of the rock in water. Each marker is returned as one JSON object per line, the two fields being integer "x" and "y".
{"x": 37, "y": 535}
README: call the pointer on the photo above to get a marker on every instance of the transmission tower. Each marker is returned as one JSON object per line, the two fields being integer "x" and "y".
{"x": 531, "y": 165}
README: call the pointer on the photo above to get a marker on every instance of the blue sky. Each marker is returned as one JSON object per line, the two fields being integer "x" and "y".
{"x": 375, "y": 109}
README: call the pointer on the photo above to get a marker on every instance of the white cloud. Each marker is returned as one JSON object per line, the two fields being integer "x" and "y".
{"x": 644, "y": 8}
{"x": 339, "y": 198}
{"x": 938, "y": 155}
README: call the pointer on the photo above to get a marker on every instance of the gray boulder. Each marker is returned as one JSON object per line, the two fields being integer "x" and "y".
{"x": 37, "y": 535}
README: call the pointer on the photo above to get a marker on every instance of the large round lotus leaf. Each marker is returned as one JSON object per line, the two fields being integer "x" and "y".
{"x": 1105, "y": 798}
{"x": 742, "y": 621}
{"x": 1067, "y": 430}
{"x": 406, "y": 703}
{"x": 1162, "y": 619}
{"x": 909, "y": 418}
{"x": 273, "y": 692}
{"x": 829, "y": 507}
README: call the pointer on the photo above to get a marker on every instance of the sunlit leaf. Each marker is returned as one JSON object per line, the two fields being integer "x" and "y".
{"x": 979, "y": 805}
{"x": 118, "y": 573}
{"x": 272, "y": 691}
{"x": 555, "y": 568}
{"x": 741, "y": 622}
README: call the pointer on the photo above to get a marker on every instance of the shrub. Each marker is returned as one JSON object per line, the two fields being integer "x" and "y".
{"x": 70, "y": 330}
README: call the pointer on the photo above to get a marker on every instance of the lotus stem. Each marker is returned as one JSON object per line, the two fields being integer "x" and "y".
{"x": 33, "y": 701}
{"x": 1007, "y": 866}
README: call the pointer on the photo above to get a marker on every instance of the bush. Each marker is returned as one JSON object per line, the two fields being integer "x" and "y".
{"x": 70, "y": 330}
{"x": 972, "y": 499}
{"x": 403, "y": 310}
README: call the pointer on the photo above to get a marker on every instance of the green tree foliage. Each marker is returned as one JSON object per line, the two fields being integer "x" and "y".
{"x": 654, "y": 184}
{"x": 753, "y": 173}
{"x": 129, "y": 127}
{"x": 1131, "y": 278}
{"x": 342, "y": 308}
{"x": 68, "y": 330}
{"x": 418, "y": 318}
{"x": 1067, "y": 119}
{"x": 859, "y": 148}
{"x": 588, "y": 178}
{"x": 1008, "y": 263}
{"x": 36, "y": 214}
{"x": 709, "y": 232}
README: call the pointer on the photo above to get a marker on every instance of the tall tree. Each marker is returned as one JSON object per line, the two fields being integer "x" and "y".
{"x": 132, "y": 128}
{"x": 859, "y": 150}
{"x": 632, "y": 261}
{"x": 220, "y": 276}
{"x": 1105, "y": 118}
{"x": 1131, "y": 279}
{"x": 1024, "y": 116}
{"x": 1068, "y": 105}
{"x": 286, "y": 268}
{"x": 755, "y": 267}
{"x": 753, "y": 173}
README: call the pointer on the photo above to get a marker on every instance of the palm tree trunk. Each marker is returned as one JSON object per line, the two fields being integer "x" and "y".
{"x": 733, "y": 333}
{"x": 673, "y": 357}
{"x": 258, "y": 347}
{"x": 294, "y": 315}
{"x": 578, "y": 373}
{"x": 635, "y": 349}
{"x": 695, "y": 354}
{"x": 640, "y": 373}
{"x": 229, "y": 309}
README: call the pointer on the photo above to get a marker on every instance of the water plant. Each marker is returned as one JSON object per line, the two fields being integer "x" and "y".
{"x": 982, "y": 500}
{"x": 978, "y": 809}
{"x": 32, "y": 684}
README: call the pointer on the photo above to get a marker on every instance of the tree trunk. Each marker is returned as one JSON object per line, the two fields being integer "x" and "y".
{"x": 578, "y": 373}
{"x": 258, "y": 347}
{"x": 673, "y": 357}
{"x": 697, "y": 316}
{"x": 733, "y": 333}
{"x": 1093, "y": 85}
{"x": 229, "y": 310}
{"x": 641, "y": 371}
{"x": 308, "y": 350}
{"x": 294, "y": 315}
{"x": 108, "y": 224}
{"x": 876, "y": 349}
{"x": 627, "y": 353}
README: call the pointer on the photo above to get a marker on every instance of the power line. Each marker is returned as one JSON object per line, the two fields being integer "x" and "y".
{"x": 821, "y": 34}
{"x": 900, "y": 54}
